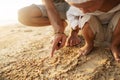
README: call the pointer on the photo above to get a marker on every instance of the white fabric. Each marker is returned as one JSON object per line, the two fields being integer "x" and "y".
{"x": 77, "y": 18}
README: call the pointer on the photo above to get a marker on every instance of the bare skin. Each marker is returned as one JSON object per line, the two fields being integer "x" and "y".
{"x": 73, "y": 38}
{"x": 89, "y": 38}
{"x": 116, "y": 43}
{"x": 32, "y": 16}
{"x": 86, "y": 31}
{"x": 104, "y": 6}
{"x": 87, "y": 7}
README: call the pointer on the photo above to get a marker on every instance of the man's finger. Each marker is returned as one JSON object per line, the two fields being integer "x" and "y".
{"x": 54, "y": 48}
{"x": 51, "y": 41}
{"x": 62, "y": 42}
{"x": 52, "y": 52}
{"x": 59, "y": 45}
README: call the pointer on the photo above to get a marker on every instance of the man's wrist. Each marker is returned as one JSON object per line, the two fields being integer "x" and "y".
{"x": 59, "y": 30}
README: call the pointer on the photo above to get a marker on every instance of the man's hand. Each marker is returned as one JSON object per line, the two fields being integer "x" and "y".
{"x": 56, "y": 22}
{"x": 58, "y": 42}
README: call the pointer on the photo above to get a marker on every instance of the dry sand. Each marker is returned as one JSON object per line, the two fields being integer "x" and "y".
{"x": 25, "y": 51}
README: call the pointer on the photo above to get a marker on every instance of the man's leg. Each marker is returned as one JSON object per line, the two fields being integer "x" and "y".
{"x": 36, "y": 15}
{"x": 32, "y": 16}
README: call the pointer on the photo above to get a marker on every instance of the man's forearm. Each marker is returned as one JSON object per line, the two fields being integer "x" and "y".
{"x": 54, "y": 16}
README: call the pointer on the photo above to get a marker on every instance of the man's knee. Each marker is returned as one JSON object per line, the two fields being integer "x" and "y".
{"x": 27, "y": 13}
{"x": 23, "y": 15}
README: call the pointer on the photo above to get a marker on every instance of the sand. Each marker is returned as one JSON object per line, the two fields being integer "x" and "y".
{"x": 25, "y": 55}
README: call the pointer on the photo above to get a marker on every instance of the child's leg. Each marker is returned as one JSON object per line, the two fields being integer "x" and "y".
{"x": 115, "y": 45}
{"x": 73, "y": 38}
{"x": 91, "y": 30}
{"x": 89, "y": 39}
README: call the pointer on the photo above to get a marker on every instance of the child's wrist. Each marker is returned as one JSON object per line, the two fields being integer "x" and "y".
{"x": 75, "y": 30}
{"x": 59, "y": 33}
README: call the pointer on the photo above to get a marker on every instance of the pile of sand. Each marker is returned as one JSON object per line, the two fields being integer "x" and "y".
{"x": 25, "y": 55}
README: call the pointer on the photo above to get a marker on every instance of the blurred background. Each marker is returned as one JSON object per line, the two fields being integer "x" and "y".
{"x": 9, "y": 9}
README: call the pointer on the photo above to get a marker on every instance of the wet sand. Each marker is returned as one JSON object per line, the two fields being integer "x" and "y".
{"x": 25, "y": 55}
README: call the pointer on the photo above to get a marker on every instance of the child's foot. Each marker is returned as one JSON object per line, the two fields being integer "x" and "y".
{"x": 86, "y": 49}
{"x": 73, "y": 40}
{"x": 116, "y": 53}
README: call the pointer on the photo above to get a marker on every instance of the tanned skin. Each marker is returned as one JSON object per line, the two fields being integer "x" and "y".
{"x": 32, "y": 16}
{"x": 104, "y": 6}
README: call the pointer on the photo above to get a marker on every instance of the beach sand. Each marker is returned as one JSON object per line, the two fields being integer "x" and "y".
{"x": 25, "y": 55}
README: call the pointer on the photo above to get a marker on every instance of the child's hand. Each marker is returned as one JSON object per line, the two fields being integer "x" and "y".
{"x": 58, "y": 42}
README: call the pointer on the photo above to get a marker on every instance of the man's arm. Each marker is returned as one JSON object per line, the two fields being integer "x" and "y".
{"x": 54, "y": 16}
